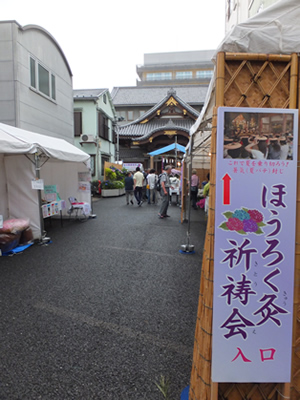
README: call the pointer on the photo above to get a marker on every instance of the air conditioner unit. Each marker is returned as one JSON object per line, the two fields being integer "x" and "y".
{"x": 88, "y": 138}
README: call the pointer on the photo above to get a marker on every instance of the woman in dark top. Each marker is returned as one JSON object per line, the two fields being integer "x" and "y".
{"x": 129, "y": 188}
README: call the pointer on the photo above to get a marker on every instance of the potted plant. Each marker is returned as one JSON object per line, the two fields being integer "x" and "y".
{"x": 114, "y": 184}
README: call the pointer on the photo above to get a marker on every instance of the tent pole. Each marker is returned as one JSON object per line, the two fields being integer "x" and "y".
{"x": 37, "y": 164}
{"x": 176, "y": 151}
{"x": 189, "y": 248}
{"x": 189, "y": 186}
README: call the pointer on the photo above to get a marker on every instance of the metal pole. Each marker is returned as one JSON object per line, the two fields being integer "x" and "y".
{"x": 38, "y": 175}
{"x": 189, "y": 197}
{"x": 118, "y": 144}
{"x": 175, "y": 152}
{"x": 188, "y": 248}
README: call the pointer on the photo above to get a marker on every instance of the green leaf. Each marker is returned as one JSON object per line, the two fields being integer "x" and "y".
{"x": 228, "y": 214}
{"x": 261, "y": 224}
{"x": 259, "y": 231}
{"x": 245, "y": 209}
{"x": 224, "y": 226}
{"x": 242, "y": 232}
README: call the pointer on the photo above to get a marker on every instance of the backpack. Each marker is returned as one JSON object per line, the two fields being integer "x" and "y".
{"x": 158, "y": 184}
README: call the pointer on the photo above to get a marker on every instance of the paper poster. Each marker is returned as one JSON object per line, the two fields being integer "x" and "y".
{"x": 50, "y": 193}
{"x": 1, "y": 221}
{"x": 53, "y": 208}
{"x": 84, "y": 177}
{"x": 37, "y": 184}
{"x": 256, "y": 176}
{"x": 84, "y": 187}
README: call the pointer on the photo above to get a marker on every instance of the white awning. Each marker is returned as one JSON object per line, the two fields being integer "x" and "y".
{"x": 19, "y": 141}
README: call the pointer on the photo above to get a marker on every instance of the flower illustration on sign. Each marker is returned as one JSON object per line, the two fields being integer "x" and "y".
{"x": 243, "y": 221}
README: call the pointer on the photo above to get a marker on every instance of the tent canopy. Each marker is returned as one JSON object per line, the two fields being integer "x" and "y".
{"x": 272, "y": 31}
{"x": 166, "y": 149}
{"x": 19, "y": 141}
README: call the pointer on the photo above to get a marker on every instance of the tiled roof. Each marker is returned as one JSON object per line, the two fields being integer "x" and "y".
{"x": 171, "y": 93}
{"x": 88, "y": 93}
{"x": 143, "y": 131}
{"x": 148, "y": 96}
{"x": 126, "y": 153}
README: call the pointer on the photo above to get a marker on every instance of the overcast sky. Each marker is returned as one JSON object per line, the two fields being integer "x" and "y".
{"x": 105, "y": 40}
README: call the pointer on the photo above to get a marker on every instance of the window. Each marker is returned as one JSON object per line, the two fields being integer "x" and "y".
{"x": 130, "y": 115}
{"x": 53, "y": 87}
{"x": 204, "y": 74}
{"x": 184, "y": 75}
{"x": 159, "y": 76}
{"x": 103, "y": 129}
{"x": 77, "y": 123}
{"x": 41, "y": 79}
{"x": 104, "y": 98}
{"x": 32, "y": 73}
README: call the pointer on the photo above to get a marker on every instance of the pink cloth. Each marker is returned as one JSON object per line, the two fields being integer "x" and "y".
{"x": 201, "y": 203}
{"x": 194, "y": 180}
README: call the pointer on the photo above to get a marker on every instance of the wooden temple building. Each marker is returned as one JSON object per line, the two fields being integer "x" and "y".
{"x": 168, "y": 122}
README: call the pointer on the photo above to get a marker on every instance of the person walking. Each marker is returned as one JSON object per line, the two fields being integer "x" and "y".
{"x": 165, "y": 185}
{"x": 151, "y": 181}
{"x": 138, "y": 179}
{"x": 194, "y": 188}
{"x": 129, "y": 187}
{"x": 206, "y": 194}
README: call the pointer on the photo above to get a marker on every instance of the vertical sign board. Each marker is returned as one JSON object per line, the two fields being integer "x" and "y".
{"x": 254, "y": 244}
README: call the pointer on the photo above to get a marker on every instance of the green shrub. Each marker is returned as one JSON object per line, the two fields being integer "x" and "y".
{"x": 112, "y": 185}
{"x": 110, "y": 174}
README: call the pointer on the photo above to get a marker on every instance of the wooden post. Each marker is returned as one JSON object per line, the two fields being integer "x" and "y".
{"x": 296, "y": 324}
{"x": 294, "y": 81}
{"x": 220, "y": 80}
{"x": 151, "y": 162}
{"x": 220, "y": 86}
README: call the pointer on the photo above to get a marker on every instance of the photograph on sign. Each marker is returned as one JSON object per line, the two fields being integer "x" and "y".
{"x": 258, "y": 136}
{"x": 254, "y": 244}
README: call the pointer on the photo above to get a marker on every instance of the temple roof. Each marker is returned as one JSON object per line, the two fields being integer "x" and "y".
{"x": 148, "y": 123}
{"x": 143, "y": 131}
{"x": 149, "y": 96}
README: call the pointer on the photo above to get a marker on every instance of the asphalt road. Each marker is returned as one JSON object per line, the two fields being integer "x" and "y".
{"x": 104, "y": 311}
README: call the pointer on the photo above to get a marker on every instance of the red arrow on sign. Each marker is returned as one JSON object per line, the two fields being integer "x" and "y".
{"x": 226, "y": 189}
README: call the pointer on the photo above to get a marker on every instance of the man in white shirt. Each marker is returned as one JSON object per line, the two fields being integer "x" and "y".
{"x": 138, "y": 179}
{"x": 151, "y": 180}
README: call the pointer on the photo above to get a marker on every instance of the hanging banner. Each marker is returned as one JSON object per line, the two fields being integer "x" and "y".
{"x": 256, "y": 177}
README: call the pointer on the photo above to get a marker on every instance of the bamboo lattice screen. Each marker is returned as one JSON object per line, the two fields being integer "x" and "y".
{"x": 245, "y": 80}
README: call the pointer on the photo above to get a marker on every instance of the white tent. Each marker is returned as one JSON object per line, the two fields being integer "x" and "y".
{"x": 273, "y": 31}
{"x": 60, "y": 164}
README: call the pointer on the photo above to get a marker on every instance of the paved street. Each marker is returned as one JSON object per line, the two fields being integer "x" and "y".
{"x": 104, "y": 311}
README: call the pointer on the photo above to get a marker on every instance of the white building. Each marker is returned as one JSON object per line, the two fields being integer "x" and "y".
{"x": 35, "y": 81}
{"x": 238, "y": 11}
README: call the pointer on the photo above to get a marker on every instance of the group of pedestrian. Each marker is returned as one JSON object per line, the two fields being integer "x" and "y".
{"x": 135, "y": 184}
{"x": 141, "y": 186}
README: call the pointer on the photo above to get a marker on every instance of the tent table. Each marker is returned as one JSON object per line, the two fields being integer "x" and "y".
{"x": 54, "y": 208}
